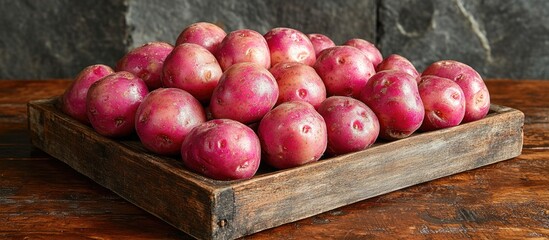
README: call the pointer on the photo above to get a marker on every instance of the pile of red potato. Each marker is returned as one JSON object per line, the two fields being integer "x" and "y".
{"x": 225, "y": 102}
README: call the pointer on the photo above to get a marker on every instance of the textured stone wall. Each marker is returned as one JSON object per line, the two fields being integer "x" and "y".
{"x": 57, "y": 38}
{"x": 43, "y": 39}
{"x": 164, "y": 20}
{"x": 499, "y": 38}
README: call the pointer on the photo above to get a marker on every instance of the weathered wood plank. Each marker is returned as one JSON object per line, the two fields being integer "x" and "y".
{"x": 536, "y": 114}
{"x": 160, "y": 185}
{"x": 14, "y": 96}
{"x": 47, "y": 199}
{"x": 19, "y": 152}
{"x": 517, "y": 95}
{"x": 517, "y": 185}
{"x": 269, "y": 201}
{"x": 506, "y": 200}
{"x": 15, "y": 143}
{"x": 220, "y": 210}
{"x": 14, "y": 133}
{"x": 81, "y": 233}
{"x": 536, "y": 135}
{"x": 375, "y": 220}
{"x": 23, "y": 91}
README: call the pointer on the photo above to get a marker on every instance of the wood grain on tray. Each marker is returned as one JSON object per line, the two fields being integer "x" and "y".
{"x": 210, "y": 209}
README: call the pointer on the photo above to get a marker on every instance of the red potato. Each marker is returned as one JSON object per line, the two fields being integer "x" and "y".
{"x": 397, "y": 62}
{"x": 192, "y": 68}
{"x": 298, "y": 81}
{"x": 165, "y": 118}
{"x": 146, "y": 62}
{"x": 394, "y": 97}
{"x": 344, "y": 70}
{"x": 73, "y": 100}
{"x": 352, "y": 126}
{"x": 477, "y": 97}
{"x": 444, "y": 103}
{"x": 112, "y": 103}
{"x": 207, "y": 35}
{"x": 222, "y": 149}
{"x": 289, "y": 45}
{"x": 320, "y": 42}
{"x": 292, "y": 134}
{"x": 246, "y": 92}
{"x": 243, "y": 45}
{"x": 373, "y": 54}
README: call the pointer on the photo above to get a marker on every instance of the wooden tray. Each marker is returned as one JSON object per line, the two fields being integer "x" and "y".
{"x": 209, "y": 209}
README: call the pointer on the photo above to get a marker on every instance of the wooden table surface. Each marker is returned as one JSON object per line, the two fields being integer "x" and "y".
{"x": 42, "y": 198}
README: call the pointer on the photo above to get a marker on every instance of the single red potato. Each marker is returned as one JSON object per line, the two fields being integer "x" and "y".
{"x": 344, "y": 70}
{"x": 300, "y": 82}
{"x": 112, "y": 103}
{"x": 393, "y": 96}
{"x": 444, "y": 103}
{"x": 373, "y": 54}
{"x": 243, "y": 45}
{"x": 245, "y": 93}
{"x": 207, "y": 35}
{"x": 292, "y": 134}
{"x": 146, "y": 62}
{"x": 222, "y": 149}
{"x": 165, "y": 118}
{"x": 289, "y": 45}
{"x": 192, "y": 68}
{"x": 73, "y": 100}
{"x": 320, "y": 42}
{"x": 477, "y": 97}
{"x": 397, "y": 62}
{"x": 352, "y": 126}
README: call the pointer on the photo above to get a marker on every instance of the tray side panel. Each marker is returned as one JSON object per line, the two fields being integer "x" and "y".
{"x": 210, "y": 209}
{"x": 150, "y": 182}
{"x": 287, "y": 196}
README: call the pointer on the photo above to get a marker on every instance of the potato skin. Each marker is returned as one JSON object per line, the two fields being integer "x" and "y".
{"x": 165, "y": 117}
{"x": 320, "y": 42}
{"x": 477, "y": 97}
{"x": 146, "y": 62}
{"x": 444, "y": 103}
{"x": 344, "y": 70}
{"x": 73, "y": 100}
{"x": 245, "y": 93}
{"x": 352, "y": 126}
{"x": 397, "y": 62}
{"x": 112, "y": 103}
{"x": 371, "y": 51}
{"x": 243, "y": 45}
{"x": 292, "y": 134}
{"x": 289, "y": 45}
{"x": 192, "y": 68}
{"x": 205, "y": 34}
{"x": 393, "y": 96}
{"x": 222, "y": 149}
{"x": 298, "y": 81}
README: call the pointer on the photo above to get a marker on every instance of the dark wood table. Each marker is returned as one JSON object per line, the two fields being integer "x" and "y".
{"x": 42, "y": 198}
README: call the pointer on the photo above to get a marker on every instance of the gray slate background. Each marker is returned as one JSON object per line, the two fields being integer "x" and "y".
{"x": 43, "y": 39}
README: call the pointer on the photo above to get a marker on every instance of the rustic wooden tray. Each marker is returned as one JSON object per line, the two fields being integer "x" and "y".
{"x": 209, "y": 209}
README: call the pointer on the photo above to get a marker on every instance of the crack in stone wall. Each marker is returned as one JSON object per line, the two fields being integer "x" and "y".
{"x": 475, "y": 27}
